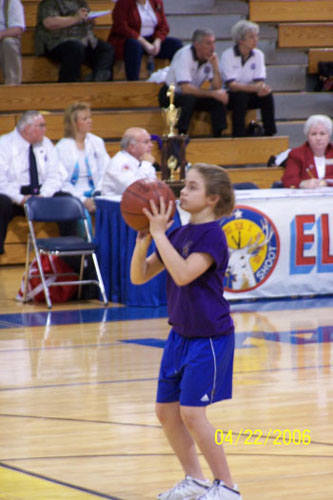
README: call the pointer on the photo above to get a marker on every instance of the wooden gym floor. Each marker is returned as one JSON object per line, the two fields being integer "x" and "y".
{"x": 77, "y": 400}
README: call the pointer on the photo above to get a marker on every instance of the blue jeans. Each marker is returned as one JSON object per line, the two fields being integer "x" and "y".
{"x": 134, "y": 51}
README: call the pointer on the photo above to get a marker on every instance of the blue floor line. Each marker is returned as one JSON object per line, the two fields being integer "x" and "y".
{"x": 80, "y": 316}
{"x": 101, "y": 314}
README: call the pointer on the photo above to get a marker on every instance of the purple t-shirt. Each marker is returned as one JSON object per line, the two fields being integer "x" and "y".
{"x": 199, "y": 308}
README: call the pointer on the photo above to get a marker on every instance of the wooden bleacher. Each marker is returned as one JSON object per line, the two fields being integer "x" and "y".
{"x": 56, "y": 97}
{"x": 111, "y": 124}
{"x": 305, "y": 34}
{"x": 42, "y": 70}
{"x": 115, "y": 105}
{"x": 284, "y": 10}
{"x": 303, "y": 24}
{"x": 319, "y": 55}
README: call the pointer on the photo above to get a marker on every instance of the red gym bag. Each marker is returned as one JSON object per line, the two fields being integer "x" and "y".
{"x": 52, "y": 265}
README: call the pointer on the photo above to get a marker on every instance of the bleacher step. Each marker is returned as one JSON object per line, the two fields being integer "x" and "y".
{"x": 205, "y": 7}
{"x": 289, "y": 78}
{"x": 299, "y": 106}
{"x": 183, "y": 26}
{"x": 293, "y": 130}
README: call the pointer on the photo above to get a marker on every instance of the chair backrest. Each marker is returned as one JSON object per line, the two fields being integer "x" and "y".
{"x": 54, "y": 209}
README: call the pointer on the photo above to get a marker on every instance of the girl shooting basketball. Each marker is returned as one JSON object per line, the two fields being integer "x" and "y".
{"x": 197, "y": 363}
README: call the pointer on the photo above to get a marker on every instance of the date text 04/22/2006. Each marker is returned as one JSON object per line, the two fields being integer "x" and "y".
{"x": 257, "y": 437}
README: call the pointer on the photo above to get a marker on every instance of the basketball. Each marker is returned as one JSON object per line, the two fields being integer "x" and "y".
{"x": 137, "y": 196}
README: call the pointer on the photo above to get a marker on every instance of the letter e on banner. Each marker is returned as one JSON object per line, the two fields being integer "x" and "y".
{"x": 325, "y": 259}
{"x": 300, "y": 241}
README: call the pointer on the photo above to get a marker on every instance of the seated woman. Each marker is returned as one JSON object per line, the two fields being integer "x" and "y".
{"x": 138, "y": 27}
{"x": 311, "y": 165}
{"x": 83, "y": 155}
{"x": 243, "y": 73}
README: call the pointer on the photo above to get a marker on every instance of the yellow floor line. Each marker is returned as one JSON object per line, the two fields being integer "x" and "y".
{"x": 16, "y": 485}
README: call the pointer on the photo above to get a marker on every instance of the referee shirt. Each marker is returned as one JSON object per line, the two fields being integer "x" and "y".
{"x": 186, "y": 68}
{"x": 233, "y": 68}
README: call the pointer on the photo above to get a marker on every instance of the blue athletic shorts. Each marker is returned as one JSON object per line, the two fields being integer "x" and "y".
{"x": 196, "y": 371}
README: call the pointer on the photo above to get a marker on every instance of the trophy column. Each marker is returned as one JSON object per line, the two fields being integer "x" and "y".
{"x": 173, "y": 159}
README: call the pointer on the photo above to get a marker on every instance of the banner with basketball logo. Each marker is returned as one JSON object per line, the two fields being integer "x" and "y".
{"x": 280, "y": 243}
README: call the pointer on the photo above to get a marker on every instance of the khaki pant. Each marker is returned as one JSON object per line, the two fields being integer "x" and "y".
{"x": 10, "y": 60}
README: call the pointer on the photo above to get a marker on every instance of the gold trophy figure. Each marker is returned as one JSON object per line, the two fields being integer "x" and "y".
{"x": 172, "y": 163}
{"x": 171, "y": 113}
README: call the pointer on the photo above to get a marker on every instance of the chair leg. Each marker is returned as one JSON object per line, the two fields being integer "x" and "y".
{"x": 81, "y": 276}
{"x": 26, "y": 273}
{"x": 42, "y": 277}
{"x": 100, "y": 279}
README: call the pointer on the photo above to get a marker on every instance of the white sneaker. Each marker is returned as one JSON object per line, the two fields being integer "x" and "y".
{"x": 219, "y": 491}
{"x": 187, "y": 489}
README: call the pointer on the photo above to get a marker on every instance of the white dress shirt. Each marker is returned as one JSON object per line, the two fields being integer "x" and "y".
{"x": 123, "y": 170}
{"x": 14, "y": 166}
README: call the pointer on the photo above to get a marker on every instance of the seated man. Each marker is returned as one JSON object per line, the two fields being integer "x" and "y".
{"x": 243, "y": 71}
{"x": 132, "y": 163}
{"x": 12, "y": 26}
{"x": 64, "y": 33}
{"x": 190, "y": 67}
{"x": 29, "y": 165}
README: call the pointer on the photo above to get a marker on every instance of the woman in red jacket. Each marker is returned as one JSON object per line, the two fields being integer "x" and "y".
{"x": 311, "y": 165}
{"x": 138, "y": 27}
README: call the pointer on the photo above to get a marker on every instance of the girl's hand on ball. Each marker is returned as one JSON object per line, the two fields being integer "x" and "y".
{"x": 159, "y": 219}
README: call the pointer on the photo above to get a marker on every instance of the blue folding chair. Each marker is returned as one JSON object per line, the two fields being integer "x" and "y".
{"x": 60, "y": 209}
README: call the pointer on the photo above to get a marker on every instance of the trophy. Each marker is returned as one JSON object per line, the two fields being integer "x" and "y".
{"x": 173, "y": 145}
{"x": 171, "y": 113}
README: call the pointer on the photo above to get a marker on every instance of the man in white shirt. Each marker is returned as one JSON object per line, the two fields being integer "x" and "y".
{"x": 190, "y": 67}
{"x": 133, "y": 162}
{"x": 12, "y": 26}
{"x": 17, "y": 148}
{"x": 244, "y": 72}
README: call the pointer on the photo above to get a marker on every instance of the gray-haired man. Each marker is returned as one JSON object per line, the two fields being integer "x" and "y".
{"x": 190, "y": 67}
{"x": 29, "y": 165}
